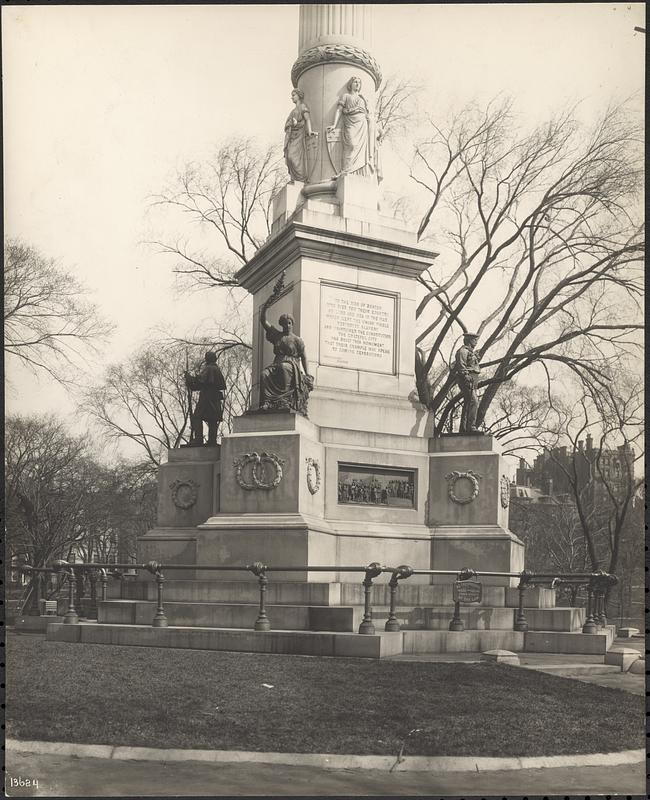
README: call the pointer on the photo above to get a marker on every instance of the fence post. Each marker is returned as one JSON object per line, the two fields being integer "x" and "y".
{"x": 262, "y": 622}
{"x": 456, "y": 623}
{"x": 602, "y": 616}
{"x": 71, "y": 617}
{"x": 399, "y": 573}
{"x": 521, "y": 623}
{"x": 610, "y": 581}
{"x": 159, "y": 620}
{"x": 92, "y": 578}
{"x": 60, "y": 565}
{"x": 372, "y": 571}
{"x": 39, "y": 590}
{"x": 590, "y": 622}
{"x": 103, "y": 578}
{"x": 79, "y": 591}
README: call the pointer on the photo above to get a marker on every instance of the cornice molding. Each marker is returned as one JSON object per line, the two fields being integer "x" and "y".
{"x": 299, "y": 240}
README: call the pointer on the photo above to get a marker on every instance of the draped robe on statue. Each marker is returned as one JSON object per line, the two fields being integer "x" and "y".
{"x": 355, "y": 134}
{"x": 283, "y": 382}
{"x": 295, "y": 153}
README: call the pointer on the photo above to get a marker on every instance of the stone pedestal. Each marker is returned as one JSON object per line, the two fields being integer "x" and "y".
{"x": 188, "y": 486}
{"x": 361, "y": 480}
{"x": 188, "y": 493}
{"x": 289, "y": 491}
{"x": 469, "y": 495}
{"x": 278, "y": 499}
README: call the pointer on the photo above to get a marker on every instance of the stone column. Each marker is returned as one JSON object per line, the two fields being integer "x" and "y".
{"x": 334, "y": 23}
{"x": 333, "y": 43}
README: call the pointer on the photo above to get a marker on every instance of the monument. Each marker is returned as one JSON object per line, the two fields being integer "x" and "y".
{"x": 335, "y": 463}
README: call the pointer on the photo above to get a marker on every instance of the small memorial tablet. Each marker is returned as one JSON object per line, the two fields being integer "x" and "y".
{"x": 357, "y": 329}
{"x": 466, "y": 592}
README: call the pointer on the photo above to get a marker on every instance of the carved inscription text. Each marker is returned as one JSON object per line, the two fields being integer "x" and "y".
{"x": 357, "y": 329}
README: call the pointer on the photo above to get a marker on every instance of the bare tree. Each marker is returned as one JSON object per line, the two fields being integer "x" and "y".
{"x": 231, "y": 195}
{"x": 396, "y": 106}
{"x": 516, "y": 416}
{"x": 61, "y": 502}
{"x": 544, "y": 222}
{"x": 123, "y": 508}
{"x": 45, "y": 487}
{"x": 48, "y": 324}
{"x": 601, "y": 477}
{"x": 144, "y": 399}
{"x": 551, "y": 531}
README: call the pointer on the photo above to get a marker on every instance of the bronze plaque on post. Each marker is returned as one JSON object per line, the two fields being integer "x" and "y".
{"x": 468, "y": 592}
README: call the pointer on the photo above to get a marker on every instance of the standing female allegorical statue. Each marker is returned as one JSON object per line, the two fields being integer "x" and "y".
{"x": 296, "y": 130}
{"x": 357, "y": 130}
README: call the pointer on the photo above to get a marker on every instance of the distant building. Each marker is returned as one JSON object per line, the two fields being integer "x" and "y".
{"x": 530, "y": 495}
{"x": 553, "y": 471}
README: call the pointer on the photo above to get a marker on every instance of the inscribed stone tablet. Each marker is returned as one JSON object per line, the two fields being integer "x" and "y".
{"x": 357, "y": 329}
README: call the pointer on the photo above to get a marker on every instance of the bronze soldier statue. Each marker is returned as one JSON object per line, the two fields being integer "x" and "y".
{"x": 210, "y": 384}
{"x": 468, "y": 372}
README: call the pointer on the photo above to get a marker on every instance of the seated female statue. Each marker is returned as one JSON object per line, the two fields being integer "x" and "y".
{"x": 286, "y": 383}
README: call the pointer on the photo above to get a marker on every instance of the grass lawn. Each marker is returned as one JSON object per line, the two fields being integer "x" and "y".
{"x": 153, "y": 697}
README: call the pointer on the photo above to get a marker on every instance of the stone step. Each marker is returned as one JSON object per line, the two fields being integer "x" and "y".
{"x": 316, "y": 594}
{"x": 571, "y": 670}
{"x": 417, "y": 594}
{"x": 331, "y": 618}
{"x": 232, "y": 615}
{"x": 484, "y": 618}
{"x": 570, "y": 642}
{"x": 328, "y": 643}
{"x": 235, "y": 640}
{"x": 27, "y": 624}
{"x": 438, "y": 618}
{"x": 278, "y": 593}
{"x": 555, "y": 619}
{"x": 469, "y": 641}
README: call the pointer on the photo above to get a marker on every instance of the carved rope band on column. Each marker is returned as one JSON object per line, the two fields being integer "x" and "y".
{"x": 336, "y": 53}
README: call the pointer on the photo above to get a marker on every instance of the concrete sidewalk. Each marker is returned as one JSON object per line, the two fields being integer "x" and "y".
{"x": 68, "y": 776}
{"x": 581, "y": 667}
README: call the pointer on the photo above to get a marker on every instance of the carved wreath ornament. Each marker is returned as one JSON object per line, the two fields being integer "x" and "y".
{"x": 254, "y": 471}
{"x": 184, "y": 492}
{"x": 452, "y": 479}
{"x": 313, "y": 475}
{"x": 337, "y": 53}
{"x": 505, "y": 492}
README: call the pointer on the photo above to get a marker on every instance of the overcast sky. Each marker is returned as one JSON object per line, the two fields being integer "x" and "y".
{"x": 101, "y": 103}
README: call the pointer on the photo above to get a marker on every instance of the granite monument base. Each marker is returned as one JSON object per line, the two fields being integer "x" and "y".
{"x": 286, "y": 492}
